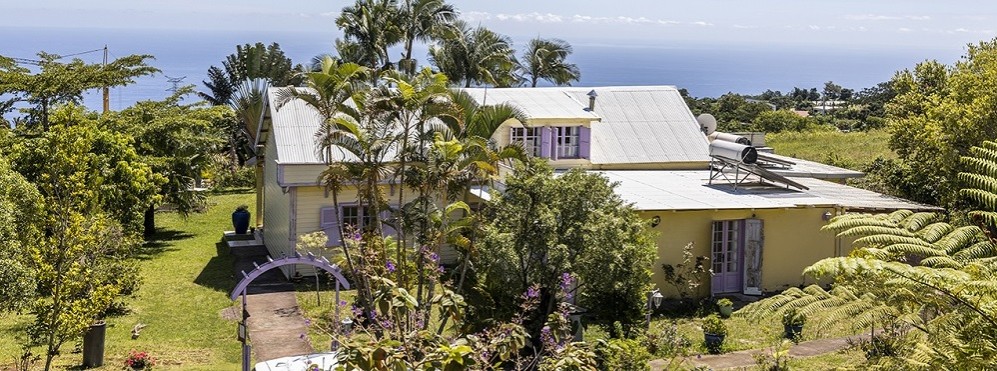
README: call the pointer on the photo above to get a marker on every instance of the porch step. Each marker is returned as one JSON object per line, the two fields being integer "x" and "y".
{"x": 249, "y": 244}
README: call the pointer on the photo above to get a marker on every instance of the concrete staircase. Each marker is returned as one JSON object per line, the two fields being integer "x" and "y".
{"x": 243, "y": 245}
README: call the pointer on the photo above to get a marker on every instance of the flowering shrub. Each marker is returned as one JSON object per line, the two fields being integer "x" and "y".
{"x": 139, "y": 360}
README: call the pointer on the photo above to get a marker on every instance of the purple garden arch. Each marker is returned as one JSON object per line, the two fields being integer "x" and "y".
{"x": 247, "y": 278}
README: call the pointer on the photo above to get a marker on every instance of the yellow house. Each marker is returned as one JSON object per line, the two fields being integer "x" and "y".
{"x": 758, "y": 222}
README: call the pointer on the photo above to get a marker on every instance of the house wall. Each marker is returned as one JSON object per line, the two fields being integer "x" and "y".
{"x": 276, "y": 209}
{"x": 311, "y": 199}
{"x": 792, "y": 241}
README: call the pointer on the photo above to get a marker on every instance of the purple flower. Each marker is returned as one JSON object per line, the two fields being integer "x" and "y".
{"x": 440, "y": 269}
{"x": 356, "y": 236}
{"x": 532, "y": 292}
{"x": 434, "y": 257}
{"x": 308, "y": 322}
{"x": 342, "y": 303}
{"x": 566, "y": 280}
{"x": 390, "y": 266}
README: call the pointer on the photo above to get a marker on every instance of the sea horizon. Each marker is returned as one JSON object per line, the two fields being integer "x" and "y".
{"x": 705, "y": 70}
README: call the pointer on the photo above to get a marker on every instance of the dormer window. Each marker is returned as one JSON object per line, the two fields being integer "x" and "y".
{"x": 567, "y": 141}
{"x": 529, "y": 138}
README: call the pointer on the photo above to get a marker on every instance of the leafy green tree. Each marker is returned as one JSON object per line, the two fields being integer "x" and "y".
{"x": 780, "y": 120}
{"x": 250, "y": 61}
{"x": 94, "y": 187}
{"x": 545, "y": 59}
{"x": 176, "y": 141}
{"x": 20, "y": 218}
{"x": 543, "y": 229}
{"x": 938, "y": 114}
{"x": 58, "y": 83}
{"x": 474, "y": 56}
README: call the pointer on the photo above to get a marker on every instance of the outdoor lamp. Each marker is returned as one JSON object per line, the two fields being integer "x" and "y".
{"x": 653, "y": 302}
{"x": 655, "y": 221}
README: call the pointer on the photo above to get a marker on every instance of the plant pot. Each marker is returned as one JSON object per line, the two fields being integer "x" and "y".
{"x": 713, "y": 342}
{"x": 240, "y": 221}
{"x": 93, "y": 345}
{"x": 792, "y": 331}
{"x": 725, "y": 311}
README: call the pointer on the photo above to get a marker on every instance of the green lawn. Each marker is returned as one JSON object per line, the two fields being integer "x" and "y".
{"x": 851, "y": 150}
{"x": 186, "y": 274}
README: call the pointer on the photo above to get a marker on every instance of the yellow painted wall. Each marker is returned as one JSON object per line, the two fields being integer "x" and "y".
{"x": 301, "y": 174}
{"x": 792, "y": 241}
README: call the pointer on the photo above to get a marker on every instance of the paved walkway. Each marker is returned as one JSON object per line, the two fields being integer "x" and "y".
{"x": 275, "y": 323}
{"x": 744, "y": 358}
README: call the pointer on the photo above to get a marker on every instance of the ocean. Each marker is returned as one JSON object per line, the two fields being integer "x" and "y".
{"x": 703, "y": 69}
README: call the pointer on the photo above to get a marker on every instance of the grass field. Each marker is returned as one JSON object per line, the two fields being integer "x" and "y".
{"x": 186, "y": 274}
{"x": 851, "y": 150}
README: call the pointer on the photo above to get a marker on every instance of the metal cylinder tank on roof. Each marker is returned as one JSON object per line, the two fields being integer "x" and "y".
{"x": 733, "y": 151}
{"x": 729, "y": 138}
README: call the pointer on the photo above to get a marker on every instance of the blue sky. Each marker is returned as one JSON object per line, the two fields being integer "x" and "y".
{"x": 867, "y": 23}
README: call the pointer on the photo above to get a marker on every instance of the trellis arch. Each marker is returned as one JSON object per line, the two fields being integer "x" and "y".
{"x": 310, "y": 259}
{"x": 247, "y": 278}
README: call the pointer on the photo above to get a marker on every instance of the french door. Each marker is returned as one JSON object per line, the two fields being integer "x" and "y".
{"x": 727, "y": 254}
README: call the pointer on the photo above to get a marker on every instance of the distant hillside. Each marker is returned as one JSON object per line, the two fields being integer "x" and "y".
{"x": 852, "y": 150}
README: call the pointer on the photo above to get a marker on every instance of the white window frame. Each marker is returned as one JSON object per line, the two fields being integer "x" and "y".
{"x": 568, "y": 142}
{"x": 529, "y": 137}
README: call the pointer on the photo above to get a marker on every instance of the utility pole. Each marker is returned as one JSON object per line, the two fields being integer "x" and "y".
{"x": 176, "y": 83}
{"x": 107, "y": 94}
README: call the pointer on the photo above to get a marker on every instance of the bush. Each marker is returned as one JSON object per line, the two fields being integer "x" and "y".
{"x": 623, "y": 354}
{"x": 242, "y": 177}
{"x": 666, "y": 341}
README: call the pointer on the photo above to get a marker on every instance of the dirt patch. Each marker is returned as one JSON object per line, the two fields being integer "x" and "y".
{"x": 231, "y": 313}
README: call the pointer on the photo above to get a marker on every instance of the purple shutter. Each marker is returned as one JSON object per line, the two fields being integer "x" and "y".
{"x": 584, "y": 139}
{"x": 329, "y": 222}
{"x": 545, "y": 142}
{"x": 388, "y": 224}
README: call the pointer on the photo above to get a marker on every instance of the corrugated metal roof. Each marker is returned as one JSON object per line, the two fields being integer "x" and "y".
{"x": 690, "y": 190}
{"x": 536, "y": 103}
{"x": 630, "y": 124}
{"x": 294, "y": 126}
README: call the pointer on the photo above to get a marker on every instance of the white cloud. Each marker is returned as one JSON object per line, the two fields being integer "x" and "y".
{"x": 702, "y": 23}
{"x": 881, "y": 17}
{"x": 743, "y": 27}
{"x": 814, "y": 27}
{"x": 904, "y": 29}
{"x": 577, "y": 18}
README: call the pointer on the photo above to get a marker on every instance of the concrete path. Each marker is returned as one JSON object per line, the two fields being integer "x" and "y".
{"x": 744, "y": 358}
{"x": 275, "y": 323}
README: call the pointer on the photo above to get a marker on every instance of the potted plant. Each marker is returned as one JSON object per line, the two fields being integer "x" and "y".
{"x": 726, "y": 307}
{"x": 792, "y": 323}
{"x": 240, "y": 219}
{"x": 714, "y": 332}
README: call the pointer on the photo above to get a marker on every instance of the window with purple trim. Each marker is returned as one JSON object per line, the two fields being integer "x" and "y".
{"x": 528, "y": 137}
{"x": 358, "y": 217}
{"x": 567, "y": 141}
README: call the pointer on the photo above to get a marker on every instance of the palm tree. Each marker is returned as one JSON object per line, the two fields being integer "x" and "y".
{"x": 422, "y": 20}
{"x": 414, "y": 100}
{"x": 474, "y": 56}
{"x": 373, "y": 26}
{"x": 545, "y": 59}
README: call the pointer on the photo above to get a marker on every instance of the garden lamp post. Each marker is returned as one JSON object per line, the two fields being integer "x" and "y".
{"x": 653, "y": 302}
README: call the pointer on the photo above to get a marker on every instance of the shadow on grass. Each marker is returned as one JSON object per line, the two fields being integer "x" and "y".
{"x": 218, "y": 273}
{"x": 161, "y": 242}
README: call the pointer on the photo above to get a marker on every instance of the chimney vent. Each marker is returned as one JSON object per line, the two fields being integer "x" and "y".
{"x": 592, "y": 94}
